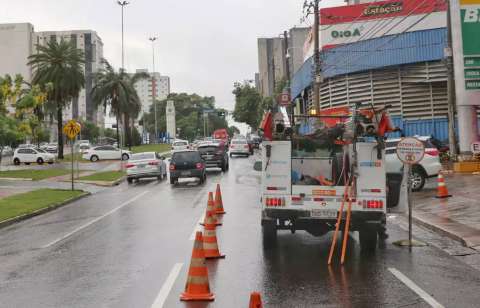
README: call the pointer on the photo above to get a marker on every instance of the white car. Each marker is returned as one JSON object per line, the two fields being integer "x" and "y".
{"x": 239, "y": 147}
{"x": 105, "y": 152}
{"x": 428, "y": 167}
{"x": 83, "y": 147}
{"x": 146, "y": 165}
{"x": 180, "y": 145}
{"x": 32, "y": 155}
{"x": 52, "y": 148}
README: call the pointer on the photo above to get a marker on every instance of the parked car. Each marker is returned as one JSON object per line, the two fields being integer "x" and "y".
{"x": 31, "y": 155}
{"x": 105, "y": 152}
{"x": 428, "y": 167}
{"x": 7, "y": 151}
{"x": 187, "y": 164}
{"x": 25, "y": 146}
{"x": 215, "y": 155}
{"x": 180, "y": 145}
{"x": 52, "y": 148}
{"x": 146, "y": 165}
{"x": 83, "y": 147}
{"x": 239, "y": 147}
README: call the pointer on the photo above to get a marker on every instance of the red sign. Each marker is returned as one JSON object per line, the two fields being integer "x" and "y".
{"x": 284, "y": 99}
{"x": 381, "y": 9}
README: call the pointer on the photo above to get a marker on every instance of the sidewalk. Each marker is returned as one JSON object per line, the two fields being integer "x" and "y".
{"x": 458, "y": 216}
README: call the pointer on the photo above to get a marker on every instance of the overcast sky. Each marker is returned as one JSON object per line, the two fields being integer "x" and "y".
{"x": 204, "y": 46}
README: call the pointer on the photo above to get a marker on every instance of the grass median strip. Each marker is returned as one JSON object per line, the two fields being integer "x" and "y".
{"x": 159, "y": 148}
{"x": 35, "y": 175}
{"x": 32, "y": 201}
{"x": 108, "y": 176}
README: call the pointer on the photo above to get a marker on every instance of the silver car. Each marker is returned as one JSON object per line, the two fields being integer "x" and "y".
{"x": 146, "y": 165}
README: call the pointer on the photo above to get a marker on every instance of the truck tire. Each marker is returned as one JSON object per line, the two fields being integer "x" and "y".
{"x": 269, "y": 233}
{"x": 368, "y": 238}
{"x": 394, "y": 184}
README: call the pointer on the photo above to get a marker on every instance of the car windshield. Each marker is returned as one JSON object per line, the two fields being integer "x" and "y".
{"x": 239, "y": 142}
{"x": 186, "y": 157}
{"x": 143, "y": 156}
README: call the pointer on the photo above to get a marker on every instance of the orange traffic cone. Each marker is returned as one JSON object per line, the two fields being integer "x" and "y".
{"x": 211, "y": 219}
{"x": 442, "y": 191}
{"x": 255, "y": 300}
{"x": 210, "y": 245}
{"x": 219, "y": 202}
{"x": 197, "y": 287}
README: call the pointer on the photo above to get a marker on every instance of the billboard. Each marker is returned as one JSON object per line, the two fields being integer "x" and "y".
{"x": 470, "y": 25}
{"x": 354, "y": 23}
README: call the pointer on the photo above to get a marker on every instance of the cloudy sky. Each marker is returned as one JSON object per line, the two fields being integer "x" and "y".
{"x": 204, "y": 46}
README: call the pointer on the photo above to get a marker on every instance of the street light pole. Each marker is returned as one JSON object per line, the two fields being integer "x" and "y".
{"x": 154, "y": 89}
{"x": 123, "y": 4}
{"x": 316, "y": 57}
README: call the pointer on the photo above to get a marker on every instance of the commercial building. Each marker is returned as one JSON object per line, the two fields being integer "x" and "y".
{"x": 158, "y": 84}
{"x": 388, "y": 54}
{"x": 16, "y": 45}
{"x": 278, "y": 57}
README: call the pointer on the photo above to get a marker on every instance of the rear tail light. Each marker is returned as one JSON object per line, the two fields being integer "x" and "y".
{"x": 274, "y": 202}
{"x": 199, "y": 165}
{"x": 172, "y": 167}
{"x": 432, "y": 152}
{"x": 154, "y": 163}
{"x": 129, "y": 166}
{"x": 373, "y": 204}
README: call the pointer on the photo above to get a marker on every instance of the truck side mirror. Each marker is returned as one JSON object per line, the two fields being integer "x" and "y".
{"x": 257, "y": 166}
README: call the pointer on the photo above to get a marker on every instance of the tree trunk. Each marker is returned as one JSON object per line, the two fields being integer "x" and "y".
{"x": 127, "y": 131}
{"x": 118, "y": 135}
{"x": 60, "y": 132}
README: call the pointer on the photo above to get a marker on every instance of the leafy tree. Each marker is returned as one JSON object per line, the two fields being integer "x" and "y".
{"x": 189, "y": 115}
{"x": 232, "y": 130}
{"x": 90, "y": 131}
{"x": 61, "y": 65}
{"x": 247, "y": 105}
{"x": 9, "y": 133}
{"x": 117, "y": 90}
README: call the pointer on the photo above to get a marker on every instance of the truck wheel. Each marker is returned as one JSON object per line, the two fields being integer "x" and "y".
{"x": 269, "y": 233}
{"x": 368, "y": 238}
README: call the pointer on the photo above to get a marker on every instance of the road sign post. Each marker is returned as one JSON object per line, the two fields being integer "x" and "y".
{"x": 410, "y": 151}
{"x": 71, "y": 130}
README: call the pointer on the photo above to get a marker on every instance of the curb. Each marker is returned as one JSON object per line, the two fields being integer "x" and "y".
{"x": 439, "y": 230}
{"x": 103, "y": 183}
{"x": 16, "y": 179}
{"x": 20, "y": 218}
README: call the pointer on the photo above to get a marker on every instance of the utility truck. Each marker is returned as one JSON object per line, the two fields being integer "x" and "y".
{"x": 308, "y": 180}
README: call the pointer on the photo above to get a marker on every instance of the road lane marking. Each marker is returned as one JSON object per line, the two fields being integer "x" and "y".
{"x": 95, "y": 220}
{"x": 415, "y": 288}
{"x": 167, "y": 286}
{"x": 197, "y": 227}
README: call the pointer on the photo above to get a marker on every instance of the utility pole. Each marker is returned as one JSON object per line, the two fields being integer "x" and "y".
{"x": 287, "y": 59}
{"x": 123, "y": 4}
{"x": 316, "y": 56}
{"x": 450, "y": 86}
{"x": 154, "y": 88}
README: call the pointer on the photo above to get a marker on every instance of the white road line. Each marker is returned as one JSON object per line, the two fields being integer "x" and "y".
{"x": 95, "y": 220}
{"x": 197, "y": 227}
{"x": 167, "y": 286}
{"x": 415, "y": 288}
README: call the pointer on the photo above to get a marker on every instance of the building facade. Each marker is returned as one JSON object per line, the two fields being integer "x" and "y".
{"x": 16, "y": 45}
{"x": 158, "y": 84}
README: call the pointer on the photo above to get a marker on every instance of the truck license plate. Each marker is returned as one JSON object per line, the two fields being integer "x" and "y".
{"x": 318, "y": 213}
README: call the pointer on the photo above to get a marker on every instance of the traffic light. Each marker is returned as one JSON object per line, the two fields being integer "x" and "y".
{"x": 221, "y": 113}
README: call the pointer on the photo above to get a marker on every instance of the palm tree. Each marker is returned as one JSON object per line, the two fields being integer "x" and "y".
{"x": 60, "y": 65}
{"x": 117, "y": 90}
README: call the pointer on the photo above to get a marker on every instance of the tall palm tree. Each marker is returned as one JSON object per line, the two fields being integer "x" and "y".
{"x": 117, "y": 90}
{"x": 61, "y": 65}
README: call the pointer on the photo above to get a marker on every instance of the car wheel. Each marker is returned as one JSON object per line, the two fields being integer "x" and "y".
{"x": 231, "y": 155}
{"x": 368, "y": 239}
{"x": 417, "y": 179}
{"x": 94, "y": 158}
{"x": 129, "y": 180}
{"x": 16, "y": 161}
{"x": 40, "y": 161}
{"x": 173, "y": 180}
{"x": 125, "y": 157}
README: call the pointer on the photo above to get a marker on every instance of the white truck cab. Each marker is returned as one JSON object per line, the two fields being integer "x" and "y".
{"x": 303, "y": 190}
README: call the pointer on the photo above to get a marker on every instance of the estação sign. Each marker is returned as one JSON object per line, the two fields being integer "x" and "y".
{"x": 383, "y": 9}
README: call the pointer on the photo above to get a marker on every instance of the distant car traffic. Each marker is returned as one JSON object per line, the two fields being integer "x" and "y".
{"x": 180, "y": 145}
{"x": 83, "y": 147}
{"x": 7, "y": 151}
{"x": 51, "y": 148}
{"x": 187, "y": 164}
{"x": 239, "y": 147}
{"x": 105, "y": 152}
{"x": 146, "y": 165}
{"x": 215, "y": 155}
{"x": 428, "y": 167}
{"x": 31, "y": 155}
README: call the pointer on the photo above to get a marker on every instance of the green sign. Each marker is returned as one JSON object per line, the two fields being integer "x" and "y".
{"x": 472, "y": 85}
{"x": 472, "y": 62}
{"x": 470, "y": 15}
{"x": 472, "y": 73}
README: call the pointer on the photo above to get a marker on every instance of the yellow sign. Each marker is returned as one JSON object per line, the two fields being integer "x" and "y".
{"x": 71, "y": 129}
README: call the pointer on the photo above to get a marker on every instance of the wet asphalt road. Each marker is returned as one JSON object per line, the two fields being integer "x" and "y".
{"x": 117, "y": 248}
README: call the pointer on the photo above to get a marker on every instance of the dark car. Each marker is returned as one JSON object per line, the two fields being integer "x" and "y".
{"x": 215, "y": 155}
{"x": 187, "y": 164}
